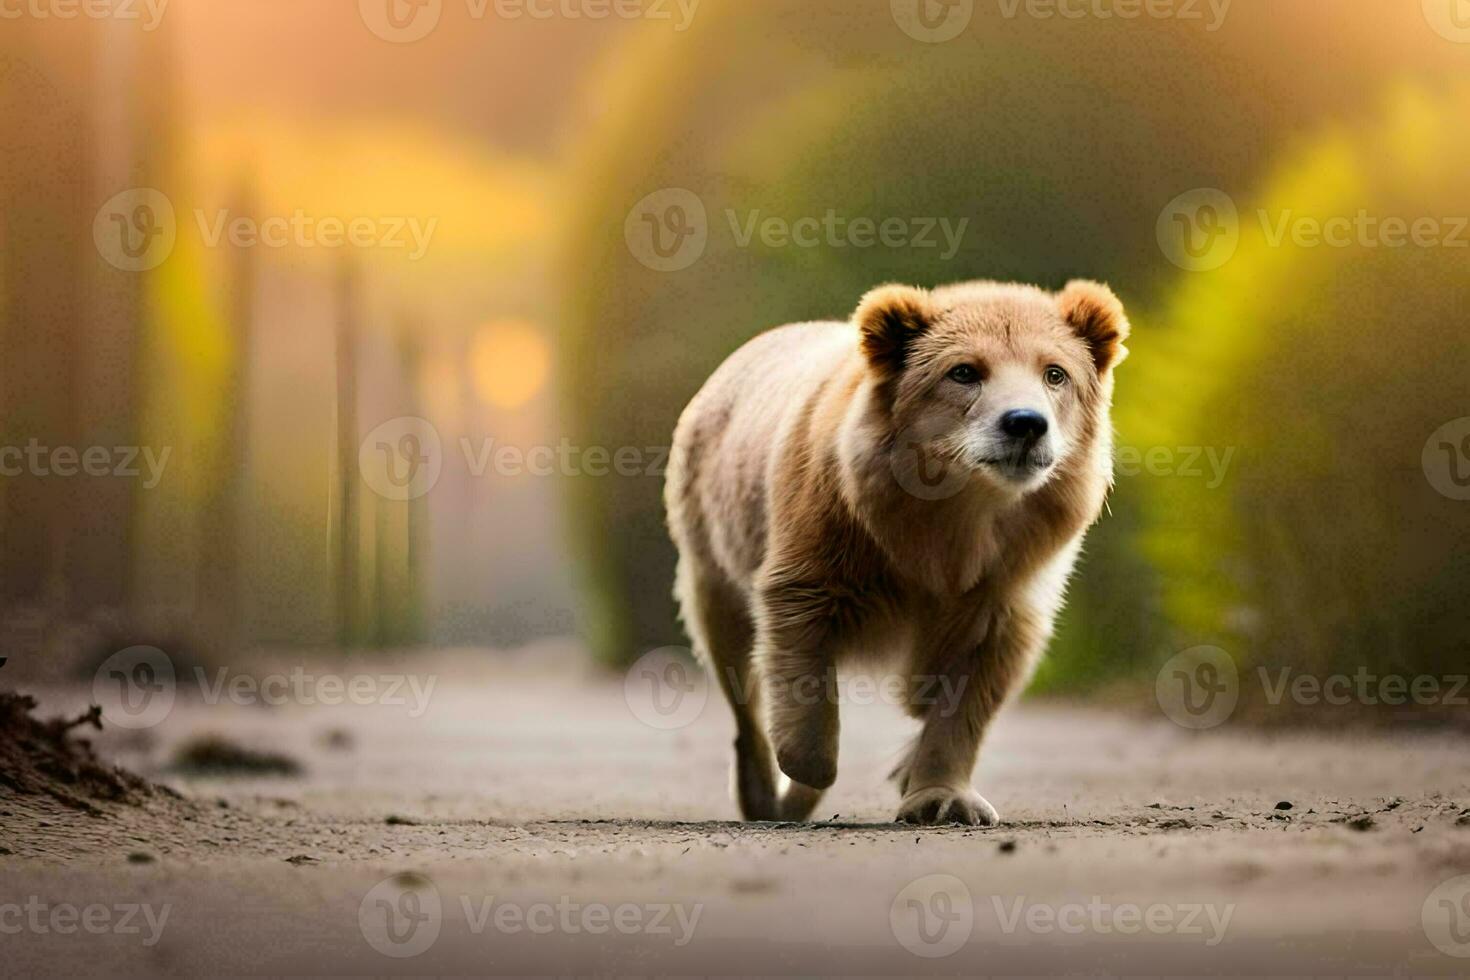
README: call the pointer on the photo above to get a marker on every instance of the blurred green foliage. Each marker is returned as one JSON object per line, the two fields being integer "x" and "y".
{"x": 1326, "y": 360}
{"x": 1058, "y": 142}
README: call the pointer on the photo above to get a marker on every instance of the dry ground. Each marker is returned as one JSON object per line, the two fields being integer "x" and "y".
{"x": 538, "y": 826}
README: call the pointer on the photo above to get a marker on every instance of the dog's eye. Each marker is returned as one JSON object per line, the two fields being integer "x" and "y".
{"x": 1055, "y": 376}
{"x": 965, "y": 374}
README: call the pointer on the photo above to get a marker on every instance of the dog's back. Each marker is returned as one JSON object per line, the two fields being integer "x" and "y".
{"x": 730, "y": 432}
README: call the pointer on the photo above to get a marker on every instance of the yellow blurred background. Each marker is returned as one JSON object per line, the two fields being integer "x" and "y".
{"x": 265, "y": 236}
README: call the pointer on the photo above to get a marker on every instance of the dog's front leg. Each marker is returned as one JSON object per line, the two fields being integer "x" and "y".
{"x": 935, "y": 780}
{"x": 795, "y": 653}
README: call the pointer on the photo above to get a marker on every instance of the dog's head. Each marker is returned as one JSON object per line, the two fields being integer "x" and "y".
{"x": 999, "y": 381}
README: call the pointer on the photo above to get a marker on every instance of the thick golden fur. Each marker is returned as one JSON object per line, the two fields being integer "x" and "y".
{"x": 849, "y": 489}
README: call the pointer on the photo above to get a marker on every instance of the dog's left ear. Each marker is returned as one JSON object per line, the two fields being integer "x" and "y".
{"x": 890, "y": 318}
{"x": 1096, "y": 315}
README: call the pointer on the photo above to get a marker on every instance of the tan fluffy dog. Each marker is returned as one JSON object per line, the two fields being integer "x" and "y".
{"x": 915, "y": 483}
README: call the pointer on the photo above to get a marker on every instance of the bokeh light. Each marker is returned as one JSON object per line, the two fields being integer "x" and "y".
{"x": 509, "y": 362}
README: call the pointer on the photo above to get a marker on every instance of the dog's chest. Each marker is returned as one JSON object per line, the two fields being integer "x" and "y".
{"x": 946, "y": 559}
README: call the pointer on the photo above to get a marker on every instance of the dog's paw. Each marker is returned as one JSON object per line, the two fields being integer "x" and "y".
{"x": 944, "y": 804}
{"x": 803, "y": 764}
{"x": 798, "y": 801}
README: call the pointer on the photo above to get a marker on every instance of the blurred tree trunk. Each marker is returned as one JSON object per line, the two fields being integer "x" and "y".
{"x": 134, "y": 145}
{"x": 79, "y": 128}
{"x": 411, "y": 357}
{"x": 347, "y": 524}
{"x": 46, "y": 163}
{"x": 392, "y": 603}
{"x": 222, "y": 582}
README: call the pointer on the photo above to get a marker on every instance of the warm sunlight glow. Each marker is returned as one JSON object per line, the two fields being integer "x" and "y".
{"x": 442, "y": 382}
{"x": 477, "y": 201}
{"x": 509, "y": 362}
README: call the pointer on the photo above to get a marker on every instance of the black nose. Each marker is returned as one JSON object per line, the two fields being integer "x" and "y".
{"x": 1023, "y": 424}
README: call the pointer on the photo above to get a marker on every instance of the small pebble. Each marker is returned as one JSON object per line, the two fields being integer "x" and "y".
{"x": 141, "y": 857}
{"x": 1283, "y": 805}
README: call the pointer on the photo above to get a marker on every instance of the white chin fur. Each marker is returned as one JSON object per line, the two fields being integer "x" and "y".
{"x": 1020, "y": 477}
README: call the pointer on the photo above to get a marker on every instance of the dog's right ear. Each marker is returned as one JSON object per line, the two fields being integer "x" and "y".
{"x": 890, "y": 318}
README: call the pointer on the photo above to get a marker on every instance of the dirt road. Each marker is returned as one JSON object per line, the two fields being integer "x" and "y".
{"x": 519, "y": 818}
